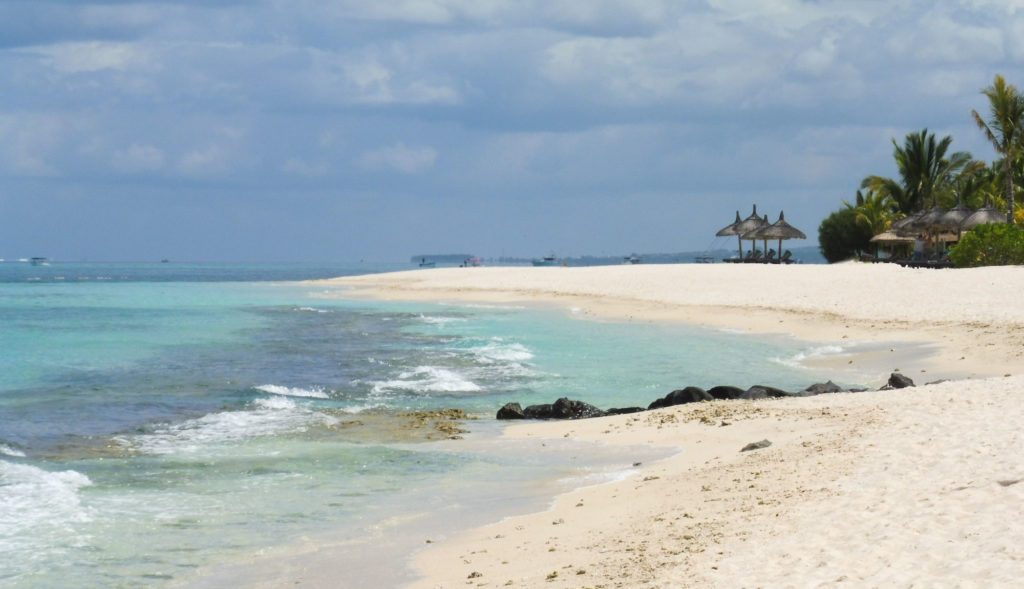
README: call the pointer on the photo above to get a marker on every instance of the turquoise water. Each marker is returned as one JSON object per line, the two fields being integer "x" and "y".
{"x": 159, "y": 423}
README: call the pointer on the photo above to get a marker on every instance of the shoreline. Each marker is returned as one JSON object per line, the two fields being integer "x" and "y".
{"x": 969, "y": 320}
{"x": 893, "y": 478}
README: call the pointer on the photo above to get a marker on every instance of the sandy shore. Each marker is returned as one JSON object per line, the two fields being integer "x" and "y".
{"x": 916, "y": 487}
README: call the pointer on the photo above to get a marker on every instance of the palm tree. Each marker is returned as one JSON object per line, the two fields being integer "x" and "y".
{"x": 1004, "y": 128}
{"x": 925, "y": 172}
{"x": 973, "y": 185}
{"x": 874, "y": 211}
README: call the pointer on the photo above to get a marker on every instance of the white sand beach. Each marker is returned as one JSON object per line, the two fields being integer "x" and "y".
{"x": 913, "y": 487}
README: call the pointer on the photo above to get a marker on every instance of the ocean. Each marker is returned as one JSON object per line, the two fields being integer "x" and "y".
{"x": 166, "y": 425}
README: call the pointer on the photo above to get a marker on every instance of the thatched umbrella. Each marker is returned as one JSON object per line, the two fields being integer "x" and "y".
{"x": 731, "y": 230}
{"x": 954, "y": 218}
{"x": 742, "y": 228}
{"x": 928, "y": 221}
{"x": 907, "y": 225}
{"x": 890, "y": 237}
{"x": 984, "y": 215}
{"x": 778, "y": 230}
{"x": 891, "y": 240}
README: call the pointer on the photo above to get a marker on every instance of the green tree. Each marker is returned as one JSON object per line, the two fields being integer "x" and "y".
{"x": 874, "y": 211}
{"x": 996, "y": 244}
{"x": 976, "y": 183}
{"x": 840, "y": 237}
{"x": 1004, "y": 129}
{"x": 925, "y": 172}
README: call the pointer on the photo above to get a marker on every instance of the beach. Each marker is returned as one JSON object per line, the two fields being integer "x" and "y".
{"x": 918, "y": 487}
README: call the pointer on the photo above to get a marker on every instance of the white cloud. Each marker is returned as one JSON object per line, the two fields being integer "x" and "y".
{"x": 137, "y": 158}
{"x": 936, "y": 37}
{"x": 30, "y": 143}
{"x": 399, "y": 158}
{"x": 299, "y": 167}
{"x": 819, "y": 59}
{"x": 208, "y": 161}
{"x": 93, "y": 56}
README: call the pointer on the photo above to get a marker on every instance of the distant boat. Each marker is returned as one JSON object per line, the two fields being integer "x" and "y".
{"x": 38, "y": 262}
{"x": 472, "y": 263}
{"x": 548, "y": 260}
{"x": 632, "y": 259}
{"x": 424, "y": 263}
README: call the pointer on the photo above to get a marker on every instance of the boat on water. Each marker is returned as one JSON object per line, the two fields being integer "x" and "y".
{"x": 632, "y": 259}
{"x": 548, "y": 260}
{"x": 39, "y": 261}
{"x": 425, "y": 263}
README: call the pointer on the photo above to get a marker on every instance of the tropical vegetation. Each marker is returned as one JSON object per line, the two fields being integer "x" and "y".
{"x": 930, "y": 174}
{"x": 990, "y": 245}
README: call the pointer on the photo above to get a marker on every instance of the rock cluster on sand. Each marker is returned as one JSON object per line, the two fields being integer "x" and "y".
{"x": 571, "y": 409}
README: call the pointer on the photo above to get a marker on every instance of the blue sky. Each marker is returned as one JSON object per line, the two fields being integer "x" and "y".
{"x": 318, "y": 130}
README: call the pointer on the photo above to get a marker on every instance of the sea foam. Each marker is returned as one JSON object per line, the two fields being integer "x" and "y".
{"x": 797, "y": 360}
{"x": 313, "y": 393}
{"x": 8, "y": 451}
{"x": 428, "y": 379}
{"x": 267, "y": 417}
{"x": 37, "y": 506}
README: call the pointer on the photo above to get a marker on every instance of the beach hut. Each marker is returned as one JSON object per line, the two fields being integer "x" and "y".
{"x": 907, "y": 225}
{"x": 778, "y": 230}
{"x": 928, "y": 221}
{"x": 984, "y": 215}
{"x": 953, "y": 219}
{"x": 893, "y": 243}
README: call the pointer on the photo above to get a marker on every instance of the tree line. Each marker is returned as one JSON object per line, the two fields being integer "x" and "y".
{"x": 930, "y": 175}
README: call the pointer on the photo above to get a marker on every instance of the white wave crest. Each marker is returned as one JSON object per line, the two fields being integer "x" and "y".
{"x": 314, "y": 310}
{"x": 797, "y": 360}
{"x": 313, "y": 393}
{"x": 441, "y": 321}
{"x": 269, "y": 417}
{"x": 499, "y": 351}
{"x": 37, "y": 505}
{"x": 355, "y": 409}
{"x": 8, "y": 451}
{"x": 428, "y": 379}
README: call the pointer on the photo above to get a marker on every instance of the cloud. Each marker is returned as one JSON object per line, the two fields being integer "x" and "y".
{"x": 399, "y": 158}
{"x": 30, "y": 144}
{"x": 207, "y": 161}
{"x": 299, "y": 167}
{"x": 88, "y": 57}
{"x": 137, "y": 159}
{"x": 532, "y": 103}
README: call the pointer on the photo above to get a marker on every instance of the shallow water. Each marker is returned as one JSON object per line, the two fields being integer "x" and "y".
{"x": 158, "y": 426}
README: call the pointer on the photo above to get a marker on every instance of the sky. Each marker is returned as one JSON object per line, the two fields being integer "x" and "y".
{"x": 345, "y": 130}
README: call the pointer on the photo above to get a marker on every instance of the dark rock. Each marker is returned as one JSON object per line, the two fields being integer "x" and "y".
{"x": 624, "y": 410}
{"x": 756, "y": 446}
{"x": 898, "y": 381}
{"x": 725, "y": 392}
{"x": 561, "y": 409}
{"x": 682, "y": 396}
{"x": 544, "y": 411}
{"x": 511, "y": 411}
{"x": 763, "y": 392}
{"x": 570, "y": 409}
{"x": 821, "y": 388}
